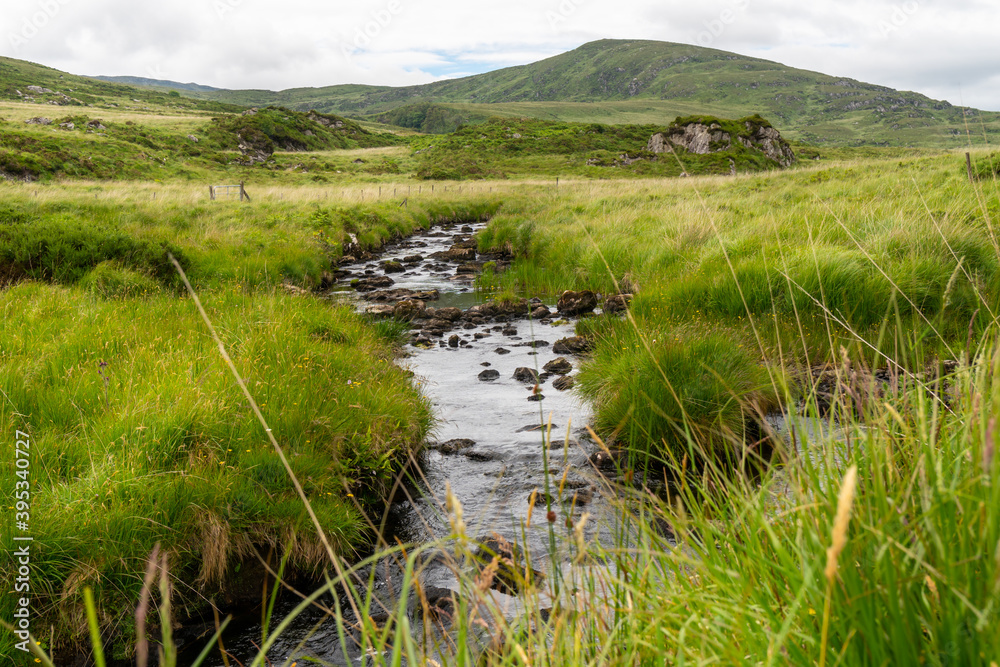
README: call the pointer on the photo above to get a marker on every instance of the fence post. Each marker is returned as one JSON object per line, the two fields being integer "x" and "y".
{"x": 211, "y": 192}
{"x": 968, "y": 167}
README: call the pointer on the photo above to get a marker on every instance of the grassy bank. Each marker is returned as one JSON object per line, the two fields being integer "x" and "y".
{"x": 741, "y": 284}
{"x": 878, "y": 542}
{"x": 139, "y": 433}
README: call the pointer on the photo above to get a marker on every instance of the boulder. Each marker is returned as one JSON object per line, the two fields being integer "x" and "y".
{"x": 573, "y": 345}
{"x": 526, "y": 375}
{"x": 393, "y": 267}
{"x": 453, "y": 340}
{"x": 409, "y": 309}
{"x": 489, "y": 375}
{"x": 450, "y": 314}
{"x": 540, "y": 313}
{"x": 559, "y": 366}
{"x": 380, "y": 310}
{"x": 368, "y": 284}
{"x": 460, "y": 254}
{"x": 576, "y": 303}
{"x": 617, "y": 303}
{"x": 39, "y": 120}
{"x": 563, "y": 383}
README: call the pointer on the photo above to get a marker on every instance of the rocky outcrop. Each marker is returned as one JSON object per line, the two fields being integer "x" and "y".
{"x": 707, "y": 135}
{"x": 256, "y": 148}
{"x": 694, "y": 137}
{"x": 769, "y": 141}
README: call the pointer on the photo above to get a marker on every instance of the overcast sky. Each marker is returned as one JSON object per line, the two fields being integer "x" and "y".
{"x": 944, "y": 49}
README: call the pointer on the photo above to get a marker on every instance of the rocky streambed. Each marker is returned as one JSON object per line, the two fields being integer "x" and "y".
{"x": 498, "y": 374}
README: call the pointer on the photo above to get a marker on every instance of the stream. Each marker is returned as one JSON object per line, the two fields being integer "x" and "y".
{"x": 487, "y": 446}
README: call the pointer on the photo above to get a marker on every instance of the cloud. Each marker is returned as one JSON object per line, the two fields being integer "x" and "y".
{"x": 254, "y": 43}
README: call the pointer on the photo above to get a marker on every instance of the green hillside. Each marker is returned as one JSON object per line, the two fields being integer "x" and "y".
{"x": 600, "y": 81}
{"x": 20, "y": 81}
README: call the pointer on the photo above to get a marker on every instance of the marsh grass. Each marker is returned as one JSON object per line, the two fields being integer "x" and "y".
{"x": 727, "y": 568}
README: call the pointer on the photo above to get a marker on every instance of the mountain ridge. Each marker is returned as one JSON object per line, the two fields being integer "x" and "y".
{"x": 633, "y": 82}
{"x": 676, "y": 78}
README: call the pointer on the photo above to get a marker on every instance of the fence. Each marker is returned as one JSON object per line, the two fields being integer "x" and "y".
{"x": 228, "y": 192}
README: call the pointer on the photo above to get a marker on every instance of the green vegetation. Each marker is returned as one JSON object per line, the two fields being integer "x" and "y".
{"x": 877, "y": 542}
{"x": 81, "y": 91}
{"x": 502, "y": 147}
{"x": 858, "y": 291}
{"x": 275, "y": 128}
{"x": 139, "y": 434}
{"x": 430, "y": 118}
{"x": 641, "y": 81}
{"x": 727, "y": 286}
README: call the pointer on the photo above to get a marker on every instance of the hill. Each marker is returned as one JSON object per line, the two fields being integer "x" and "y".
{"x": 639, "y": 81}
{"x": 27, "y": 82}
{"x": 157, "y": 83}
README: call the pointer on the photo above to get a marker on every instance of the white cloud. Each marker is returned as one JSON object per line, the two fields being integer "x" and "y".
{"x": 944, "y": 51}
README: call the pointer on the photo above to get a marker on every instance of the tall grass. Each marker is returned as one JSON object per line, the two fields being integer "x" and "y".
{"x": 726, "y": 568}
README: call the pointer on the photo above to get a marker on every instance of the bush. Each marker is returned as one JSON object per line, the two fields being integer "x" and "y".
{"x": 111, "y": 281}
{"x": 60, "y": 248}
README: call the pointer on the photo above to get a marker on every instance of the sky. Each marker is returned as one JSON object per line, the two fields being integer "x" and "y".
{"x": 944, "y": 49}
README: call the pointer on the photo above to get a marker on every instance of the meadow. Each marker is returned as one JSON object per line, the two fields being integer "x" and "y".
{"x": 870, "y": 534}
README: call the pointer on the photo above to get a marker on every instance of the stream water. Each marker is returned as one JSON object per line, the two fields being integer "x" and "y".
{"x": 494, "y": 476}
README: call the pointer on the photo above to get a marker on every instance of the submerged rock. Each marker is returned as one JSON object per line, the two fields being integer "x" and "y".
{"x": 455, "y": 445}
{"x": 489, "y": 375}
{"x": 513, "y": 567}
